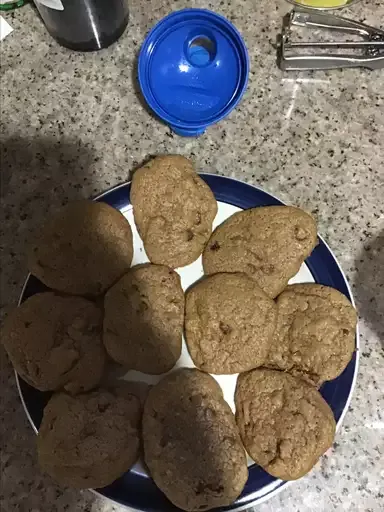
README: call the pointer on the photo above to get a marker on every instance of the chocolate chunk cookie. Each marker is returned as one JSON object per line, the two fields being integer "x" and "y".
{"x": 229, "y": 323}
{"x": 285, "y": 423}
{"x": 83, "y": 249}
{"x": 144, "y": 316}
{"x": 267, "y": 243}
{"x": 191, "y": 444}
{"x": 173, "y": 209}
{"x": 315, "y": 333}
{"x": 55, "y": 342}
{"x": 90, "y": 440}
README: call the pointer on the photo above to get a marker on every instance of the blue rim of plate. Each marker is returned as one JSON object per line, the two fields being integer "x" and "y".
{"x": 139, "y": 492}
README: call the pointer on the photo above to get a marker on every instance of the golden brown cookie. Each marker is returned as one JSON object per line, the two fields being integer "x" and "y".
{"x": 83, "y": 249}
{"x": 229, "y": 323}
{"x": 315, "y": 333}
{"x": 285, "y": 423}
{"x": 173, "y": 209}
{"x": 191, "y": 444}
{"x": 55, "y": 342}
{"x": 144, "y": 317}
{"x": 268, "y": 243}
{"x": 90, "y": 440}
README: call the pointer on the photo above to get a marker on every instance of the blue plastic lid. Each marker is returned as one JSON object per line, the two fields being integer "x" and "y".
{"x": 193, "y": 69}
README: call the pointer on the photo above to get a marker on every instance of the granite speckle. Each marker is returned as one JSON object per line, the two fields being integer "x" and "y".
{"x": 74, "y": 125}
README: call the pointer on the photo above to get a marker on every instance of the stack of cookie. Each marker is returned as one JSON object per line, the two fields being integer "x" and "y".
{"x": 89, "y": 435}
{"x": 284, "y": 340}
{"x": 241, "y": 318}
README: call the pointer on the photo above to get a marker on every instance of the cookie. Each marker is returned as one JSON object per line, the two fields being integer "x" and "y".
{"x": 173, "y": 210}
{"x": 268, "y": 243}
{"x": 83, "y": 249}
{"x": 315, "y": 333}
{"x": 191, "y": 444}
{"x": 284, "y": 422}
{"x": 143, "y": 321}
{"x": 55, "y": 342}
{"x": 229, "y": 323}
{"x": 90, "y": 440}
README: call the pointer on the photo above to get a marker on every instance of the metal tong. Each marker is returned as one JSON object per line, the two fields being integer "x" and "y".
{"x": 371, "y": 47}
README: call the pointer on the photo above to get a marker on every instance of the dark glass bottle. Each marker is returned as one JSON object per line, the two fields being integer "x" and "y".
{"x": 84, "y": 25}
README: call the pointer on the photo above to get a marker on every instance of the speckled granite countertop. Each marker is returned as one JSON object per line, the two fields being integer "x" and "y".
{"x": 73, "y": 126}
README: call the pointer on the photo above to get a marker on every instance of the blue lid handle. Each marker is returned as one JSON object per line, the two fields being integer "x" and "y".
{"x": 188, "y": 132}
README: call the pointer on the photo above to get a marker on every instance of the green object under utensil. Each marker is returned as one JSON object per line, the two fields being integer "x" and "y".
{"x": 7, "y": 6}
{"x": 323, "y": 4}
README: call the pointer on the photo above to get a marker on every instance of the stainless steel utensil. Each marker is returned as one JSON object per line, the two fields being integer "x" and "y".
{"x": 368, "y": 52}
